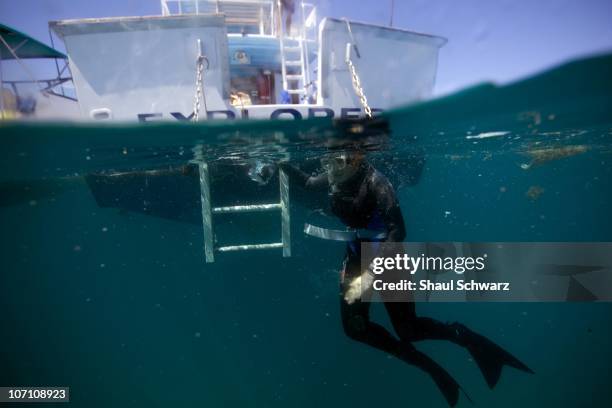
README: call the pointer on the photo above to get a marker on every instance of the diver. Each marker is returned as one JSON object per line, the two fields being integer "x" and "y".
{"x": 363, "y": 199}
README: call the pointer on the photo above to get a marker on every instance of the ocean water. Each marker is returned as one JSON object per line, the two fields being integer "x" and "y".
{"x": 104, "y": 288}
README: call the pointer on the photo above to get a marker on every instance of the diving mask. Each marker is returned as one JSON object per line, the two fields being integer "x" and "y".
{"x": 339, "y": 167}
{"x": 334, "y": 163}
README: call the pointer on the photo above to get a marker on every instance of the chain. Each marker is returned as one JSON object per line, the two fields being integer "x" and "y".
{"x": 199, "y": 95}
{"x": 358, "y": 89}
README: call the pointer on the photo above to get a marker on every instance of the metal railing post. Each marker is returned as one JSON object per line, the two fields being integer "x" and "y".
{"x": 1, "y": 91}
{"x": 281, "y": 34}
{"x": 305, "y": 48}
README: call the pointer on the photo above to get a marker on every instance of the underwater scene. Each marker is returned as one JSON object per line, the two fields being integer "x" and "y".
{"x": 105, "y": 288}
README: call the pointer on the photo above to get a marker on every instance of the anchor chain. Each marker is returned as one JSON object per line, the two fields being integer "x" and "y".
{"x": 358, "y": 88}
{"x": 199, "y": 87}
{"x": 352, "y": 45}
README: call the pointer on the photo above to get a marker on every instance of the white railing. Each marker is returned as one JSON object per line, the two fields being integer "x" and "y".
{"x": 309, "y": 21}
{"x": 248, "y": 16}
{"x": 308, "y": 33}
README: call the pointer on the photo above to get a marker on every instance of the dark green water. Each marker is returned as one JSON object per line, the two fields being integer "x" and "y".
{"x": 118, "y": 304}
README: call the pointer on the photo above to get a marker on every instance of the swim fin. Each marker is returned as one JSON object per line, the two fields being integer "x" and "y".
{"x": 445, "y": 382}
{"x": 489, "y": 357}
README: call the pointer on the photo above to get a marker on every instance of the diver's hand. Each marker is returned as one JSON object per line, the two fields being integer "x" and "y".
{"x": 354, "y": 291}
{"x": 358, "y": 287}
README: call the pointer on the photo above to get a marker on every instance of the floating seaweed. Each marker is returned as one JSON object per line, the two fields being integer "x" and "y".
{"x": 456, "y": 157}
{"x": 541, "y": 156}
{"x": 534, "y": 192}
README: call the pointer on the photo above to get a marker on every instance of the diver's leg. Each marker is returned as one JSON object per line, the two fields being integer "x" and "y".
{"x": 410, "y": 327}
{"x": 357, "y": 325}
{"x": 489, "y": 357}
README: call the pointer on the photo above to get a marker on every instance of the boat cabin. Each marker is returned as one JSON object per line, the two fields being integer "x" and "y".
{"x": 230, "y": 59}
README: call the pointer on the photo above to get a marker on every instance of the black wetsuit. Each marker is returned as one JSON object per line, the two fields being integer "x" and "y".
{"x": 368, "y": 200}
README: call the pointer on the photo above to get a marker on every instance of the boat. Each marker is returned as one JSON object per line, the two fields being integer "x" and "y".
{"x": 235, "y": 59}
{"x": 230, "y": 59}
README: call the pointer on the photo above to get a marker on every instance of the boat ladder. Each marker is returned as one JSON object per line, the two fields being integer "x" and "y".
{"x": 294, "y": 64}
{"x": 208, "y": 211}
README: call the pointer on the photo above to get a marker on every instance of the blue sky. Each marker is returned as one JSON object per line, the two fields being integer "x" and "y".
{"x": 489, "y": 40}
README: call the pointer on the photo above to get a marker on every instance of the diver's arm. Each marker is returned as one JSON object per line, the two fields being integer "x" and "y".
{"x": 304, "y": 179}
{"x": 394, "y": 220}
{"x": 389, "y": 208}
{"x": 391, "y": 213}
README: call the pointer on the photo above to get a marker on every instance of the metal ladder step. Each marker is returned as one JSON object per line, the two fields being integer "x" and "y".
{"x": 293, "y": 63}
{"x": 247, "y": 208}
{"x": 296, "y": 91}
{"x": 288, "y": 48}
{"x": 293, "y": 77}
{"x": 208, "y": 211}
{"x": 233, "y": 248}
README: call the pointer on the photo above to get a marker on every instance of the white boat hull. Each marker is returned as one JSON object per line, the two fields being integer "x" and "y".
{"x": 144, "y": 69}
